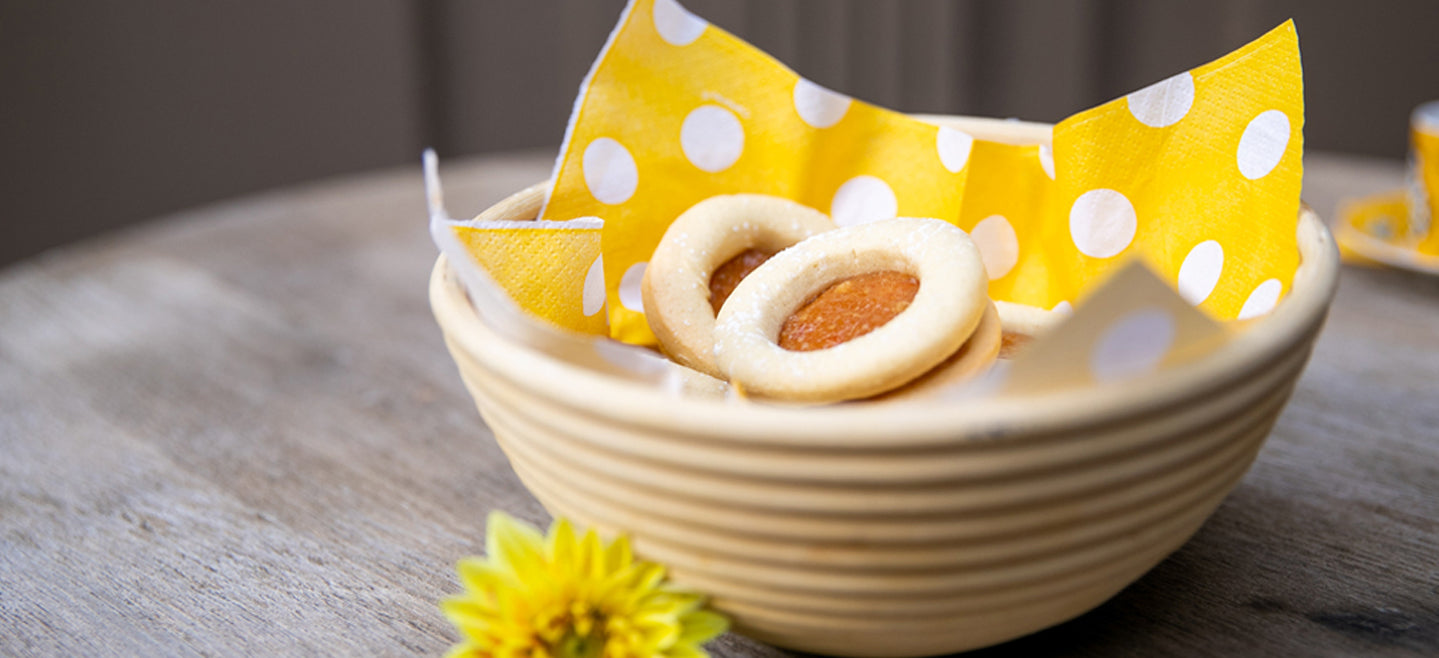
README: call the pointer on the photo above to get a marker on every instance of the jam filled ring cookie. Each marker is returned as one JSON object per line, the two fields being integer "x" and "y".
{"x": 863, "y": 353}
{"x": 975, "y": 356}
{"x": 704, "y": 254}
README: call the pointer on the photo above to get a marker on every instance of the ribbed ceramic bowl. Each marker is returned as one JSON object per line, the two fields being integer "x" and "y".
{"x": 873, "y": 530}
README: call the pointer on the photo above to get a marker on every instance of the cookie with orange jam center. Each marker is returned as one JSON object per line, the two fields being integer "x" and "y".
{"x": 847, "y": 310}
{"x": 864, "y": 355}
{"x": 734, "y": 270}
{"x": 706, "y": 252}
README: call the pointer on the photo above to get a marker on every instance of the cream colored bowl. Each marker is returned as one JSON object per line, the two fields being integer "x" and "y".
{"x": 873, "y": 530}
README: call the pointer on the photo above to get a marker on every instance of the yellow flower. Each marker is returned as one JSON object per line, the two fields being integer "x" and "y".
{"x": 564, "y": 596}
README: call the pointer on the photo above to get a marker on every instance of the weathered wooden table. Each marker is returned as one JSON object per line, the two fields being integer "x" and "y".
{"x": 236, "y": 431}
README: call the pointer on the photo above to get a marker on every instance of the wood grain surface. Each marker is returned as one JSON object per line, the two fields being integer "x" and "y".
{"x": 236, "y": 431}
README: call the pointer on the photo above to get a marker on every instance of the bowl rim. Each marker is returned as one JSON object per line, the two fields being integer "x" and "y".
{"x": 1292, "y": 325}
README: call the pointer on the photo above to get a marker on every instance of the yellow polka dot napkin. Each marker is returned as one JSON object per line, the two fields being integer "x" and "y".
{"x": 1198, "y": 175}
{"x": 549, "y": 270}
{"x": 552, "y": 269}
{"x": 545, "y": 308}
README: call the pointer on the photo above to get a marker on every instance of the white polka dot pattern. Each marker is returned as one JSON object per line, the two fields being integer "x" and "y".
{"x": 953, "y": 146}
{"x": 1046, "y": 160}
{"x": 1102, "y": 223}
{"x": 819, "y": 107}
{"x": 1262, "y": 300}
{"x": 676, "y": 25}
{"x": 1163, "y": 103}
{"x": 998, "y": 245}
{"x": 630, "y": 295}
{"x": 1263, "y": 143}
{"x": 1200, "y": 271}
{"x": 593, "y": 300}
{"x": 712, "y": 138}
{"x": 610, "y": 172}
{"x": 1133, "y": 345}
{"x": 861, "y": 200}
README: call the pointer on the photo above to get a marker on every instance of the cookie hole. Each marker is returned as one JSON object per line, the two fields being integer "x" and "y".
{"x": 727, "y": 276}
{"x": 848, "y": 309}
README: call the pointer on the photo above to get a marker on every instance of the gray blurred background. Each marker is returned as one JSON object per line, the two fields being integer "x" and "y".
{"x": 115, "y": 112}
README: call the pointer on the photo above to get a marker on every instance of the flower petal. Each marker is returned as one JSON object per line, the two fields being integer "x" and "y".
{"x": 618, "y": 556}
{"x": 475, "y": 624}
{"x": 630, "y": 588}
{"x": 647, "y": 576}
{"x": 592, "y": 556}
{"x": 663, "y": 636}
{"x": 467, "y": 608}
{"x": 562, "y": 547}
{"x": 701, "y": 626}
{"x": 514, "y": 546}
{"x": 466, "y": 649}
{"x": 481, "y": 577}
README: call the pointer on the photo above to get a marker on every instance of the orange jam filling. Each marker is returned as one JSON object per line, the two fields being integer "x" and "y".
{"x": 726, "y": 277}
{"x": 847, "y": 310}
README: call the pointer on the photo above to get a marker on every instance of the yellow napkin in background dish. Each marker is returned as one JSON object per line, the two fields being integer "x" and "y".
{"x": 553, "y": 270}
{"x": 1199, "y": 173}
{"x": 1398, "y": 227}
{"x": 1376, "y": 230}
{"x": 1382, "y": 218}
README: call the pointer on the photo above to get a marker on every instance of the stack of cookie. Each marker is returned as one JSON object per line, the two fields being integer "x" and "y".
{"x": 771, "y": 296}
